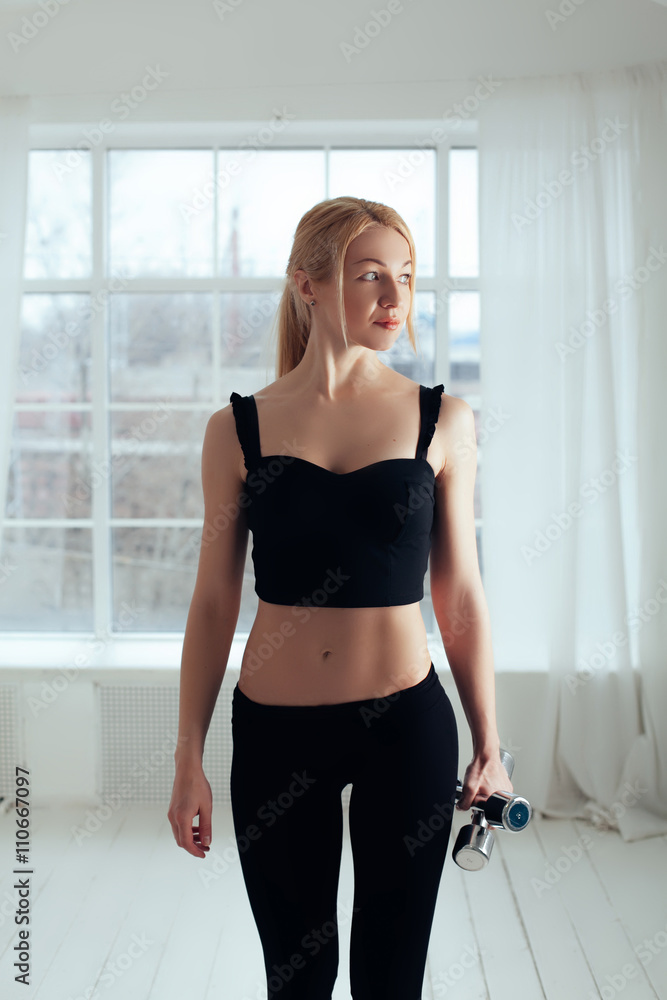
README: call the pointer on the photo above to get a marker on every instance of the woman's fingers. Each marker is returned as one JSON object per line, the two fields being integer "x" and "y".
{"x": 189, "y": 800}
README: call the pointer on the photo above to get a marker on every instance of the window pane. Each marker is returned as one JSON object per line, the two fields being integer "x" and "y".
{"x": 401, "y": 357}
{"x": 248, "y": 330}
{"x": 156, "y": 463}
{"x": 154, "y": 570}
{"x": 160, "y": 219}
{"x": 58, "y": 223}
{"x": 261, "y": 196}
{"x": 464, "y": 343}
{"x": 160, "y": 347}
{"x": 401, "y": 178}
{"x": 477, "y": 496}
{"x": 248, "y": 354}
{"x": 54, "y": 358}
{"x": 50, "y": 581}
{"x": 49, "y": 471}
{"x": 463, "y": 232}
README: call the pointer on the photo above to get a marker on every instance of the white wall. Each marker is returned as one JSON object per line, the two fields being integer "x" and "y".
{"x": 230, "y": 59}
{"x": 58, "y": 736}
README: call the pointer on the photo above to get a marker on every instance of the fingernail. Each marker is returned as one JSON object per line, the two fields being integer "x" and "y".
{"x": 206, "y": 840}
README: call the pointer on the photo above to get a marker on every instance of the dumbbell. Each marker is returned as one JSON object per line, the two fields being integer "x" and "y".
{"x": 501, "y": 811}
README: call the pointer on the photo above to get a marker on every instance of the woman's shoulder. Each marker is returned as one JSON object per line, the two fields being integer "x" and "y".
{"x": 285, "y": 387}
{"x": 279, "y": 388}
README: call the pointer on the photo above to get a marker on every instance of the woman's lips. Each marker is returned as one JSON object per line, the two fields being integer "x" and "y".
{"x": 390, "y": 324}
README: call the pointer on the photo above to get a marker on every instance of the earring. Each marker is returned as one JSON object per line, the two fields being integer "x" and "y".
{"x": 313, "y": 302}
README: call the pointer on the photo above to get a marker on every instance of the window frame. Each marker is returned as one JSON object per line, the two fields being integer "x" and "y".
{"x": 438, "y": 134}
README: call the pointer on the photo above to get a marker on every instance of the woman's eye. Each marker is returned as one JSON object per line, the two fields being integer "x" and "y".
{"x": 408, "y": 276}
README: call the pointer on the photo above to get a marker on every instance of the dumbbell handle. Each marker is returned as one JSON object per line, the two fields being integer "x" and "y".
{"x": 507, "y": 760}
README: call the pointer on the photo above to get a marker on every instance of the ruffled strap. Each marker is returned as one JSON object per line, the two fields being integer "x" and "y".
{"x": 429, "y": 400}
{"x": 247, "y": 428}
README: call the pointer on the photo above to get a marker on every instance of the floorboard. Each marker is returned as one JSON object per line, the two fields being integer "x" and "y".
{"x": 563, "y": 910}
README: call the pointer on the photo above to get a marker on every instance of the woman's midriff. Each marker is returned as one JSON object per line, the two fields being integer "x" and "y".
{"x": 324, "y": 656}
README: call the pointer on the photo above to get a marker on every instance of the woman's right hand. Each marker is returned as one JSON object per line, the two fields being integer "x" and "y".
{"x": 191, "y": 796}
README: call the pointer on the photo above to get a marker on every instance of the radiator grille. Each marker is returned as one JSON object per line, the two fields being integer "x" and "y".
{"x": 137, "y": 736}
{"x": 9, "y": 739}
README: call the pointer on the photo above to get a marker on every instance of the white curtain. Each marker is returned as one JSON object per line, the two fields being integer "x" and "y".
{"x": 14, "y": 128}
{"x": 573, "y": 460}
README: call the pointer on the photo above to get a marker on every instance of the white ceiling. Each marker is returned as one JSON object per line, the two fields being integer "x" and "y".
{"x": 94, "y": 47}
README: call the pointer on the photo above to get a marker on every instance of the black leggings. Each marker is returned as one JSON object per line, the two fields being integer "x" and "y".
{"x": 290, "y": 764}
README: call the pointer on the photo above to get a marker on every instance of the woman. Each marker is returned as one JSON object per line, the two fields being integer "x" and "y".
{"x": 350, "y": 476}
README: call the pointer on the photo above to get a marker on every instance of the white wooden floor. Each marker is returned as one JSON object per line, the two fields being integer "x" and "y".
{"x": 129, "y": 914}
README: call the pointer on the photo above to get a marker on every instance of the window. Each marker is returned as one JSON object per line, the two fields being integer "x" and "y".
{"x": 463, "y": 313}
{"x": 151, "y": 281}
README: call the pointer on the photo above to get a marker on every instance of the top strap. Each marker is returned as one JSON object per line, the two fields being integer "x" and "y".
{"x": 247, "y": 428}
{"x": 429, "y": 403}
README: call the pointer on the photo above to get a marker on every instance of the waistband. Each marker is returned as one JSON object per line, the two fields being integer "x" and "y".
{"x": 404, "y": 695}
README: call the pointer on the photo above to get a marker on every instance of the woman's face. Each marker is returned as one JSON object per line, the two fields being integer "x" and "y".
{"x": 372, "y": 291}
{"x": 376, "y": 289}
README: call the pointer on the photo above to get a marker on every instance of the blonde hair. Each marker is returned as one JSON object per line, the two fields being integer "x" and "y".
{"x": 320, "y": 243}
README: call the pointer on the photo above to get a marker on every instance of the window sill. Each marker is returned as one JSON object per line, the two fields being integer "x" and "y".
{"x": 154, "y": 654}
{"x": 158, "y": 657}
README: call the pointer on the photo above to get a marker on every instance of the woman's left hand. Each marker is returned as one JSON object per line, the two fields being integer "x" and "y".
{"x": 484, "y": 776}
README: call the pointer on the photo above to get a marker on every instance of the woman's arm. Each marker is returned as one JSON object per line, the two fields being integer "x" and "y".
{"x": 210, "y": 626}
{"x": 208, "y": 639}
{"x": 463, "y": 620}
{"x": 458, "y": 598}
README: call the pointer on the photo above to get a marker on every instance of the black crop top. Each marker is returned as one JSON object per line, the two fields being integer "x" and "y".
{"x": 358, "y": 539}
